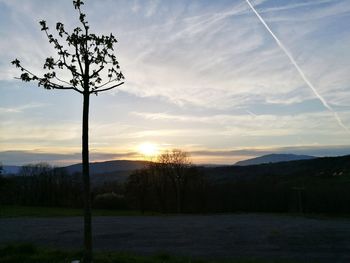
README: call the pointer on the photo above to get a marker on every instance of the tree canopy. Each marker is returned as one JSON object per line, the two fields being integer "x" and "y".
{"x": 89, "y": 58}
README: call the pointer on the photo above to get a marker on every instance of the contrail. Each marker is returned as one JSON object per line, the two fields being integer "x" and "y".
{"x": 301, "y": 73}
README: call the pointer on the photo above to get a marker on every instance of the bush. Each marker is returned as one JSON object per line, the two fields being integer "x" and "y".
{"x": 109, "y": 201}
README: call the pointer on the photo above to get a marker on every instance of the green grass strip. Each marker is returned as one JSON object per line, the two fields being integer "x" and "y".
{"x": 28, "y": 253}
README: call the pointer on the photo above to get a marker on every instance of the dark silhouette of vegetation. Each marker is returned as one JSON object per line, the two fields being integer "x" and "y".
{"x": 175, "y": 165}
{"x": 171, "y": 184}
{"x": 93, "y": 66}
{"x": 258, "y": 188}
{"x": 42, "y": 185}
{"x": 324, "y": 182}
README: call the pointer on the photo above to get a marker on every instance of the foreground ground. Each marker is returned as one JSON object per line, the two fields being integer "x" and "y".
{"x": 214, "y": 236}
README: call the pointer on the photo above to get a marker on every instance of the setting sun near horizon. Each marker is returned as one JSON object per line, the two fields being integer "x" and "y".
{"x": 223, "y": 80}
{"x": 148, "y": 149}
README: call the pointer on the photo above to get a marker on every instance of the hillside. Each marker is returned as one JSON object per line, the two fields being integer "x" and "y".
{"x": 274, "y": 158}
{"x": 317, "y": 167}
{"x": 102, "y": 172}
{"x": 108, "y": 167}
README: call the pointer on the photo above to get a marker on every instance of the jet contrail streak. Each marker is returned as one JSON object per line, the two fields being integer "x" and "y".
{"x": 301, "y": 73}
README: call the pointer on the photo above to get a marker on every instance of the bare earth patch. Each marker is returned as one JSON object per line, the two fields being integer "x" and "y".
{"x": 213, "y": 236}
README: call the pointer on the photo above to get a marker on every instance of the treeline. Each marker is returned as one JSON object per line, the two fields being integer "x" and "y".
{"x": 168, "y": 188}
{"x": 174, "y": 185}
{"x": 41, "y": 185}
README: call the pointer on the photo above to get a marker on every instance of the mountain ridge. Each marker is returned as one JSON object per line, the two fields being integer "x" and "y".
{"x": 108, "y": 166}
{"x": 274, "y": 158}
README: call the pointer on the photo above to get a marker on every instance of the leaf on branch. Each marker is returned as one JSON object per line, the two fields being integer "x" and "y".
{"x": 60, "y": 29}
{"x": 25, "y": 77}
{"x": 43, "y": 25}
{"x": 77, "y": 4}
{"x": 16, "y": 62}
{"x": 58, "y": 25}
{"x": 49, "y": 63}
{"x": 121, "y": 76}
{"x": 74, "y": 82}
{"x": 82, "y": 17}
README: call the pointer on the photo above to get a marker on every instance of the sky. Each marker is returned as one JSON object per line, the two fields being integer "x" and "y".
{"x": 206, "y": 77}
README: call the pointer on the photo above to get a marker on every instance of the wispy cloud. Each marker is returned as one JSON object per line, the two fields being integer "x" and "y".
{"x": 195, "y": 70}
{"x": 229, "y": 58}
{"x": 21, "y": 108}
{"x": 152, "y": 7}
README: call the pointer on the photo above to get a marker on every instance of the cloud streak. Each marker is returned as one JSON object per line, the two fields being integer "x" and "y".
{"x": 300, "y": 71}
{"x": 21, "y": 108}
{"x": 200, "y": 75}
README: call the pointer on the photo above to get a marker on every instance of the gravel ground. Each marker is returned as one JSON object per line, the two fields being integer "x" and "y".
{"x": 215, "y": 236}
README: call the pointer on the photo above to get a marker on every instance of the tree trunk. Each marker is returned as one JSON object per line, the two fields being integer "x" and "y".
{"x": 178, "y": 197}
{"x": 86, "y": 181}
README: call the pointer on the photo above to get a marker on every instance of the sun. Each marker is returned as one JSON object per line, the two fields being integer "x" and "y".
{"x": 148, "y": 149}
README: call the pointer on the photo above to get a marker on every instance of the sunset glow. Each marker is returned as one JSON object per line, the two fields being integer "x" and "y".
{"x": 148, "y": 149}
{"x": 224, "y": 80}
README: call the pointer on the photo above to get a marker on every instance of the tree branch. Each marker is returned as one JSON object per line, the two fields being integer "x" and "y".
{"x": 61, "y": 80}
{"x": 62, "y": 87}
{"x": 58, "y": 46}
{"x": 114, "y": 86}
{"x": 78, "y": 58}
{"x": 95, "y": 74}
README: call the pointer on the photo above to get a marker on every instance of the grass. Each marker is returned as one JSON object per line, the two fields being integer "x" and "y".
{"x": 10, "y": 211}
{"x": 28, "y": 253}
{"x": 34, "y": 211}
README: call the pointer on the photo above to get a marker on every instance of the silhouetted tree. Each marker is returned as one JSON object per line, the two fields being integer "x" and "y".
{"x": 175, "y": 164}
{"x": 93, "y": 67}
{"x": 138, "y": 186}
{"x": 169, "y": 184}
{"x": 35, "y": 169}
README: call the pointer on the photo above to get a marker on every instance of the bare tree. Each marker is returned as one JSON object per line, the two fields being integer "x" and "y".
{"x": 92, "y": 64}
{"x": 175, "y": 165}
{"x": 35, "y": 169}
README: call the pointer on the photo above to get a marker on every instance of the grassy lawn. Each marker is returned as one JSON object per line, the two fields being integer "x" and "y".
{"x": 40, "y": 211}
{"x": 32, "y": 211}
{"x": 27, "y": 253}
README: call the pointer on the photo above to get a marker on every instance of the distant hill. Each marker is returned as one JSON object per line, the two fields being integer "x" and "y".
{"x": 312, "y": 168}
{"x": 108, "y": 167}
{"x": 274, "y": 158}
{"x": 100, "y": 172}
{"x": 104, "y": 172}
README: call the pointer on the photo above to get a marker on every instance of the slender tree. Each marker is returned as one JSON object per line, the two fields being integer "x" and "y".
{"x": 176, "y": 166}
{"x": 93, "y": 68}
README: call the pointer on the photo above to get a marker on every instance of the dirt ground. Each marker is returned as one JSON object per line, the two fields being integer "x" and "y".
{"x": 214, "y": 236}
